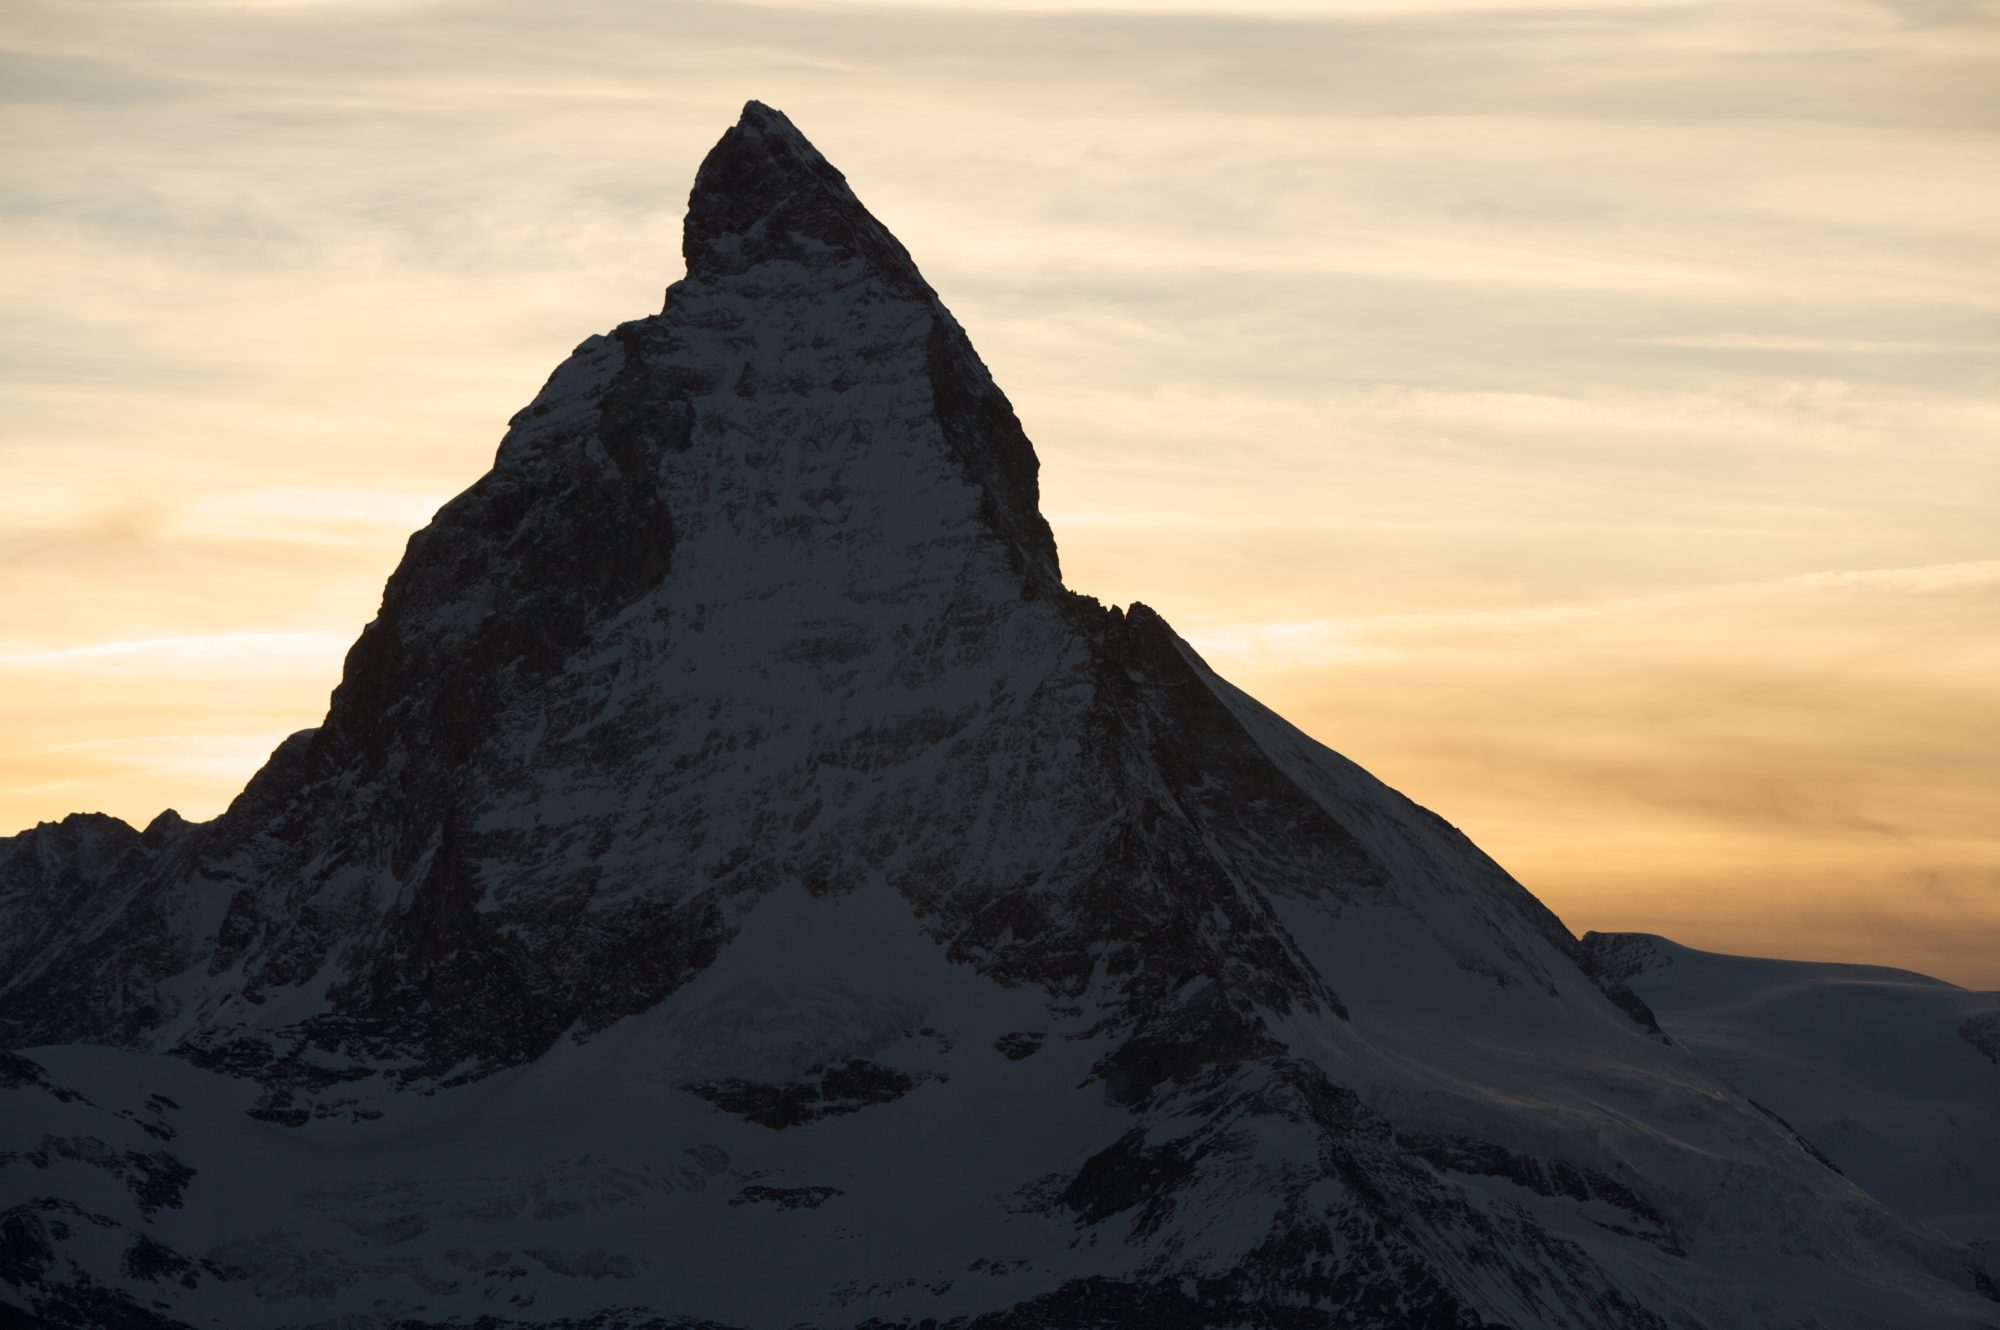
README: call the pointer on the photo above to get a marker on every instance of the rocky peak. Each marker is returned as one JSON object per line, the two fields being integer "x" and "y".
{"x": 765, "y": 194}
{"x": 757, "y": 594}
{"x": 804, "y": 399}
{"x": 786, "y": 527}
{"x": 771, "y": 223}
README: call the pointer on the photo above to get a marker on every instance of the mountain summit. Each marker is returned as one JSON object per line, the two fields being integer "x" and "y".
{"x": 737, "y": 885}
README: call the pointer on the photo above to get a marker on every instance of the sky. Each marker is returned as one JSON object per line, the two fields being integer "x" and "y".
{"x": 1585, "y": 416}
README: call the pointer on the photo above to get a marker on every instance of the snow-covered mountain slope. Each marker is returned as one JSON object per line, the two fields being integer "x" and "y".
{"x": 737, "y": 884}
{"x": 1893, "y": 1075}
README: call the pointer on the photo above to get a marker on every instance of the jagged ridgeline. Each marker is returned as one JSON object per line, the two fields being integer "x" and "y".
{"x": 737, "y": 884}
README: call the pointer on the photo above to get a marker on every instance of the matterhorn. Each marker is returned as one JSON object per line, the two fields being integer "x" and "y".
{"x": 738, "y": 886}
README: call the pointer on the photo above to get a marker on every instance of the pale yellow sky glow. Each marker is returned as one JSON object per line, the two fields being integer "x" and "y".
{"x": 1586, "y": 416}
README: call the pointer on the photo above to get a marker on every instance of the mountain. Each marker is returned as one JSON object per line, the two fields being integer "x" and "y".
{"x": 736, "y": 884}
{"x": 1893, "y": 1076}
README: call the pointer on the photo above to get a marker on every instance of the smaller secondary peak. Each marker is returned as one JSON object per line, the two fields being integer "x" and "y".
{"x": 764, "y": 193}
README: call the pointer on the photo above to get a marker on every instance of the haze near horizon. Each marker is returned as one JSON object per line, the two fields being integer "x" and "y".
{"x": 1580, "y": 417}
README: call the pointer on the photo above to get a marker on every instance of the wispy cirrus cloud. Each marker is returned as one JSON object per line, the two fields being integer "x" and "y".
{"x": 211, "y": 653}
{"x": 1800, "y": 765}
{"x": 1373, "y": 637}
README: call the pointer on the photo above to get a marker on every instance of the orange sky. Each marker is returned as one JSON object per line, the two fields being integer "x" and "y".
{"x": 1587, "y": 418}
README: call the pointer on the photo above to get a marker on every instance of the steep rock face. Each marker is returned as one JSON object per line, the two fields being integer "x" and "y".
{"x": 731, "y": 822}
{"x": 553, "y": 772}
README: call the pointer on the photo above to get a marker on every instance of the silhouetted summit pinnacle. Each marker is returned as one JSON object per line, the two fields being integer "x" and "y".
{"x": 737, "y": 885}
{"x": 764, "y": 194}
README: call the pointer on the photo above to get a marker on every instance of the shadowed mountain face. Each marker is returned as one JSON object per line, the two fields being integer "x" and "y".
{"x": 737, "y": 884}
